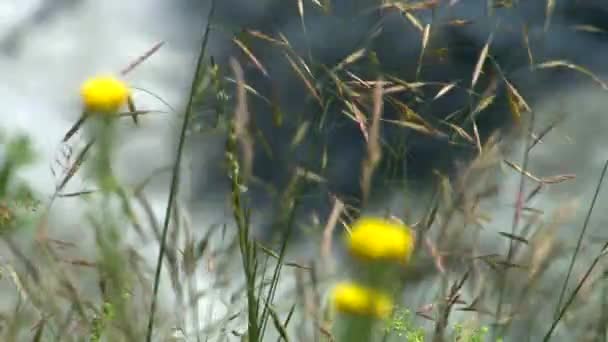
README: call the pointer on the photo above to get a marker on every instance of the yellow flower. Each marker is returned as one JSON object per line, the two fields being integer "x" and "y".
{"x": 358, "y": 300}
{"x": 104, "y": 94}
{"x": 380, "y": 239}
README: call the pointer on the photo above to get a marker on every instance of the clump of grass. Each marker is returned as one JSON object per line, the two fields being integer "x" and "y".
{"x": 401, "y": 325}
{"x": 468, "y": 334}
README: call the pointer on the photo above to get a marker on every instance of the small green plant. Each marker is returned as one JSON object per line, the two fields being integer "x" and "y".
{"x": 17, "y": 200}
{"x": 401, "y": 325}
{"x": 469, "y": 334}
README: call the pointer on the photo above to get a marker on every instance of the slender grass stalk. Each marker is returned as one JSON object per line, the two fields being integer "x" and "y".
{"x": 238, "y": 176}
{"x": 519, "y": 203}
{"x": 580, "y": 239}
{"x": 176, "y": 169}
{"x": 279, "y": 264}
{"x": 603, "y": 252}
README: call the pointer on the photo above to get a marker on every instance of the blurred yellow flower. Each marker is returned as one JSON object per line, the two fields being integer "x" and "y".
{"x": 358, "y": 300}
{"x": 380, "y": 239}
{"x": 104, "y": 94}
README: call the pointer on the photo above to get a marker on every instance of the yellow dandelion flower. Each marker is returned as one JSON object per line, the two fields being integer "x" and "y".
{"x": 380, "y": 239}
{"x": 104, "y": 94}
{"x": 358, "y": 300}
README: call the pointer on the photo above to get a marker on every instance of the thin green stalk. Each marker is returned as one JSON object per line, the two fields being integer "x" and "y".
{"x": 277, "y": 270}
{"x": 247, "y": 249}
{"x": 176, "y": 168}
{"x": 575, "y": 292}
{"x": 580, "y": 239}
{"x": 519, "y": 203}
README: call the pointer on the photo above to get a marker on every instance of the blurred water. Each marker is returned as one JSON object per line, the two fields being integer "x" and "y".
{"x": 44, "y": 59}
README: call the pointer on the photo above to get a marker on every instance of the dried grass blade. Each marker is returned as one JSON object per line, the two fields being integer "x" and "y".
{"x": 75, "y": 166}
{"x": 142, "y": 58}
{"x": 241, "y": 120}
{"x": 277, "y": 323}
{"x": 520, "y": 170}
{"x": 517, "y": 104}
{"x": 480, "y": 62}
{"x": 251, "y": 56}
{"x": 589, "y": 28}
{"x": 374, "y": 152}
{"x": 483, "y": 104}
{"x": 74, "y": 128}
{"x": 461, "y": 132}
{"x": 412, "y": 19}
{"x": 251, "y": 90}
{"x": 526, "y": 38}
{"x": 306, "y": 81}
{"x": 560, "y": 313}
{"x": 566, "y": 64}
{"x": 352, "y": 58}
{"x": 328, "y": 232}
{"x": 444, "y": 90}
{"x": 360, "y": 118}
{"x": 514, "y": 237}
{"x": 262, "y": 36}
{"x": 417, "y": 127}
{"x": 538, "y": 139}
{"x": 549, "y": 9}
{"x": 301, "y": 10}
{"x": 425, "y": 40}
{"x": 477, "y": 138}
{"x": 557, "y": 179}
{"x": 459, "y": 22}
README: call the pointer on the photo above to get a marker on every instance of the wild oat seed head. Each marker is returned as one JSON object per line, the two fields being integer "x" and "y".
{"x": 104, "y": 94}
{"x": 380, "y": 239}
{"x": 362, "y": 301}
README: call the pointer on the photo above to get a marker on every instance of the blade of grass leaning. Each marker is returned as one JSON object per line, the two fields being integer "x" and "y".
{"x": 251, "y": 90}
{"x": 588, "y": 29}
{"x": 288, "y": 319}
{"x": 374, "y": 152}
{"x": 572, "y": 66}
{"x": 425, "y": 40}
{"x": 603, "y": 252}
{"x": 480, "y": 62}
{"x": 483, "y": 104}
{"x": 241, "y": 122}
{"x": 277, "y": 323}
{"x": 175, "y": 172}
{"x": 251, "y": 56}
{"x": 241, "y": 214}
{"x": 519, "y": 203}
{"x": 142, "y": 58}
{"x": 414, "y": 21}
{"x": 477, "y": 138}
{"x": 549, "y": 9}
{"x": 265, "y": 37}
{"x": 539, "y": 137}
{"x": 461, "y": 132}
{"x": 444, "y": 90}
{"x": 305, "y": 79}
{"x": 302, "y": 22}
{"x": 580, "y": 239}
{"x": 517, "y": 104}
{"x": 526, "y": 38}
{"x": 291, "y": 205}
